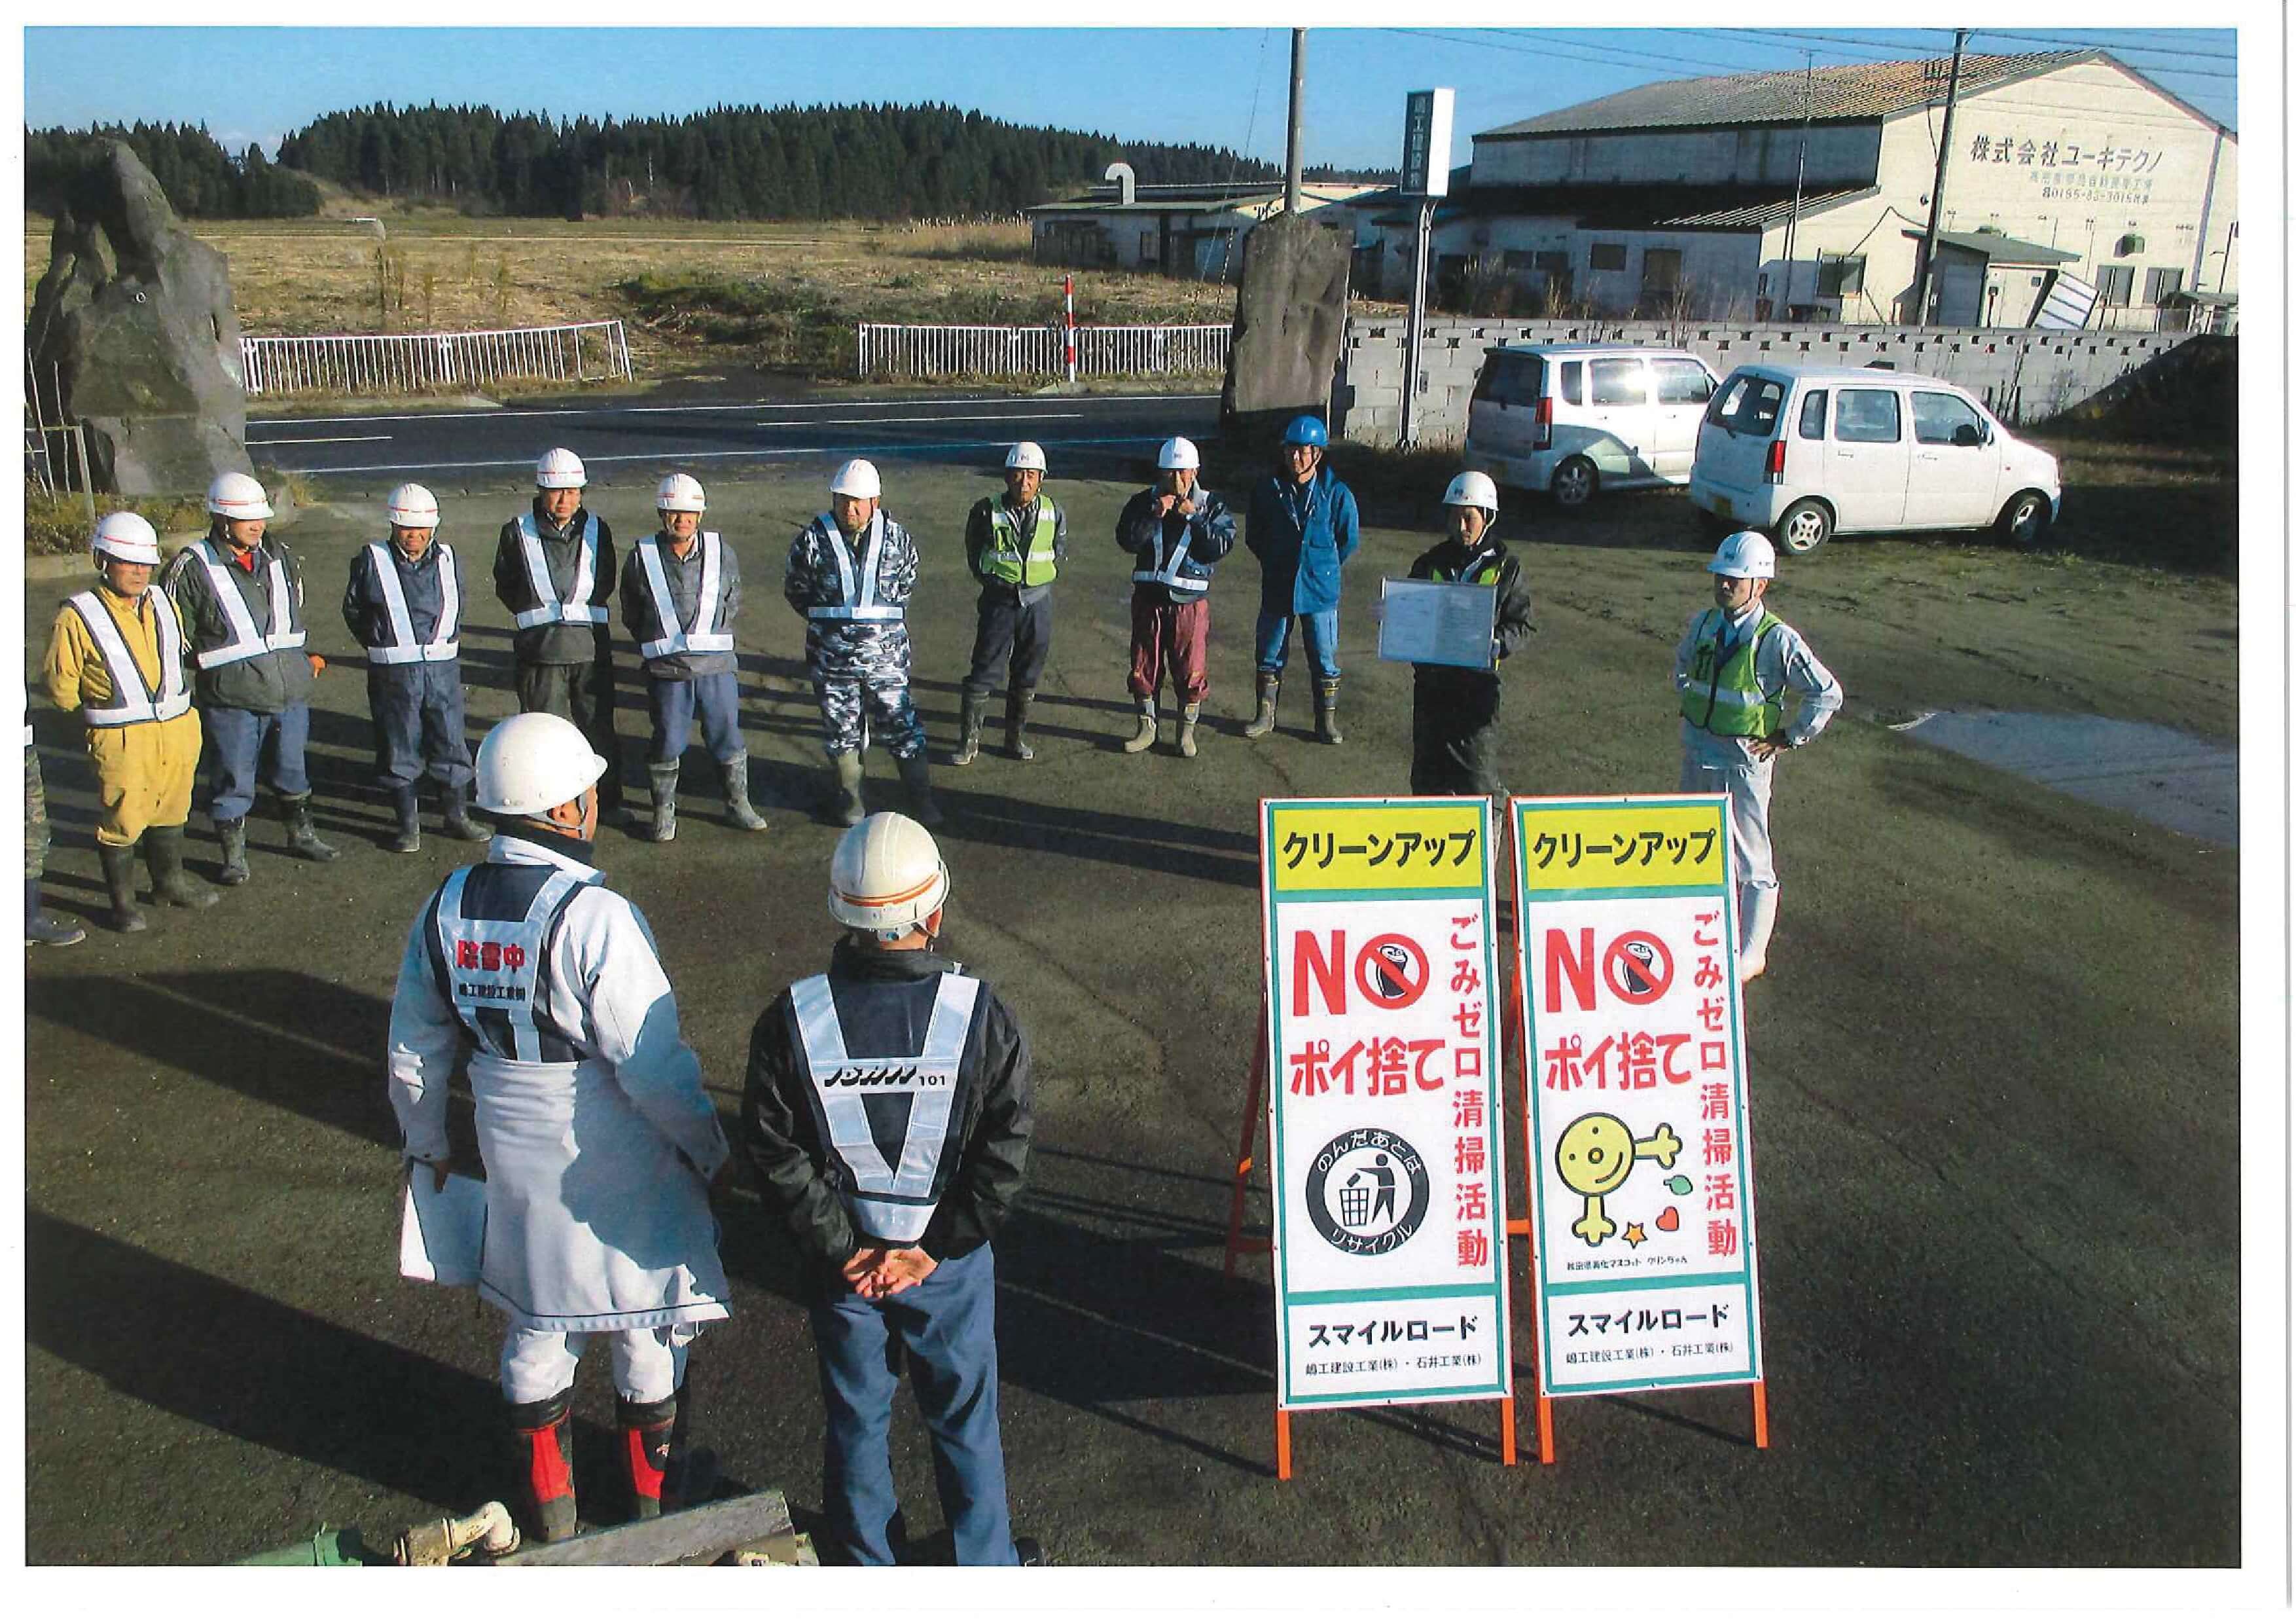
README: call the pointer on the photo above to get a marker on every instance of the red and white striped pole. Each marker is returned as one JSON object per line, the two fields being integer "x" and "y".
{"x": 1068, "y": 292}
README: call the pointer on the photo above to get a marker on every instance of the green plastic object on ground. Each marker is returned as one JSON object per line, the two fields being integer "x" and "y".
{"x": 327, "y": 1547}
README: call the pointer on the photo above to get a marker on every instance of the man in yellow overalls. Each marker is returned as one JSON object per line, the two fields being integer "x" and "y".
{"x": 120, "y": 656}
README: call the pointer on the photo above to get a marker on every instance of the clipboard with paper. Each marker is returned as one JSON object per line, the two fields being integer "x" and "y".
{"x": 1437, "y": 622}
{"x": 442, "y": 1231}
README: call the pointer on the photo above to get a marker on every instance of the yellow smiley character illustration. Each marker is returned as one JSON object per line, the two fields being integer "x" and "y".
{"x": 1594, "y": 1154}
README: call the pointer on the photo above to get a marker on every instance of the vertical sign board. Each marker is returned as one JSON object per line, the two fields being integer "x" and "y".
{"x": 1383, "y": 1102}
{"x": 1426, "y": 143}
{"x": 1643, "y": 1192}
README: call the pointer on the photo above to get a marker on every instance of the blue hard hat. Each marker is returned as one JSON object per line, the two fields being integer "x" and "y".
{"x": 1306, "y": 430}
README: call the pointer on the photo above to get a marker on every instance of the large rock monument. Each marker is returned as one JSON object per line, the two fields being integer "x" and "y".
{"x": 133, "y": 335}
{"x": 1291, "y": 319}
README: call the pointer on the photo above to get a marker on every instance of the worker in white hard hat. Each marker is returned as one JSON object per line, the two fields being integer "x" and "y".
{"x": 119, "y": 655}
{"x": 1302, "y": 527}
{"x": 554, "y": 573}
{"x": 241, "y": 595}
{"x": 681, "y": 595}
{"x": 850, "y": 573}
{"x": 1736, "y": 667}
{"x": 1455, "y": 708}
{"x": 1014, "y": 544}
{"x": 888, "y": 1113}
{"x": 404, "y": 604}
{"x": 1177, "y": 531}
{"x": 598, "y": 1139}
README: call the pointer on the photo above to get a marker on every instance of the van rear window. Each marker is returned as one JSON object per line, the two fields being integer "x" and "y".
{"x": 1748, "y": 405}
{"x": 1512, "y": 379}
{"x": 1813, "y": 414}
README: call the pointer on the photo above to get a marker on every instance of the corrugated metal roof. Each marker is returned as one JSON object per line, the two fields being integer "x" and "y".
{"x": 1751, "y": 215}
{"x": 2003, "y": 249}
{"x": 1855, "y": 90}
{"x": 1667, "y": 205}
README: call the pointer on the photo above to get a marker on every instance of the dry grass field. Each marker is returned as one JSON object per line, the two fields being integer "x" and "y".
{"x": 774, "y": 293}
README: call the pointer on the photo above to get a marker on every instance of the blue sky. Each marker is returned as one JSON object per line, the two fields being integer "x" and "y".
{"x": 1222, "y": 86}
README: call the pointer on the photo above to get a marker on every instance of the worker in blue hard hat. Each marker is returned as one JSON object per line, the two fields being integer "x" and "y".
{"x": 1301, "y": 526}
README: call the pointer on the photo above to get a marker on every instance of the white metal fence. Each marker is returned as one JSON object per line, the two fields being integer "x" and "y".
{"x": 390, "y": 362}
{"x": 884, "y": 350}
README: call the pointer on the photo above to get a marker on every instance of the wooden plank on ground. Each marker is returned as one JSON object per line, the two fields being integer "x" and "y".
{"x": 700, "y": 1534}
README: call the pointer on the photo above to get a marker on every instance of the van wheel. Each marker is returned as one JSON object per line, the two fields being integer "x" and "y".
{"x": 1573, "y": 484}
{"x": 1805, "y": 527}
{"x": 2025, "y": 520}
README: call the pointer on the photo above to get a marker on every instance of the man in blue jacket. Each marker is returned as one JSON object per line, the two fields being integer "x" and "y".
{"x": 1301, "y": 527}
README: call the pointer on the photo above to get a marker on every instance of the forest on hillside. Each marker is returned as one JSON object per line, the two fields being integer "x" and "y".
{"x": 842, "y": 162}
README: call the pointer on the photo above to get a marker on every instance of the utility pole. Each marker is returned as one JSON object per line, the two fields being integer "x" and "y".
{"x": 1801, "y": 160}
{"x": 1937, "y": 187}
{"x": 1291, "y": 131}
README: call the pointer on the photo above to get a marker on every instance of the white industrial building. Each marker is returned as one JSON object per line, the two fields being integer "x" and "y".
{"x": 1195, "y": 231}
{"x": 1805, "y": 195}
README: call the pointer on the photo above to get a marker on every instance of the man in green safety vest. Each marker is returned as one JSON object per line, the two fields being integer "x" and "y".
{"x": 1734, "y": 668}
{"x": 1015, "y": 545}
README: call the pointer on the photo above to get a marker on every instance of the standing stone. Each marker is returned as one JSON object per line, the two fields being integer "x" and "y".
{"x": 1290, "y": 318}
{"x": 133, "y": 335}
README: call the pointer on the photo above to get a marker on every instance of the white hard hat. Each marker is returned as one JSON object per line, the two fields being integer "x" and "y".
{"x": 238, "y": 496}
{"x": 858, "y": 477}
{"x": 1471, "y": 490}
{"x": 679, "y": 493}
{"x": 1746, "y": 555}
{"x": 1177, "y": 454}
{"x": 411, "y": 506}
{"x": 887, "y": 875}
{"x": 559, "y": 469}
{"x": 127, "y": 537}
{"x": 534, "y": 761}
{"x": 1027, "y": 454}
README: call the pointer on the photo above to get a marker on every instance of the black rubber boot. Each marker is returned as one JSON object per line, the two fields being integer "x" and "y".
{"x": 916, "y": 778}
{"x": 120, "y": 878}
{"x": 302, "y": 839}
{"x": 972, "y": 710}
{"x": 645, "y": 1429}
{"x": 43, "y": 928}
{"x": 733, "y": 778}
{"x": 163, "y": 852}
{"x": 1017, "y": 701}
{"x": 663, "y": 828}
{"x": 542, "y": 1437}
{"x": 233, "y": 836}
{"x": 455, "y": 813}
{"x": 408, "y": 834}
{"x": 1327, "y": 710}
{"x": 1263, "y": 722}
{"x": 845, "y": 777}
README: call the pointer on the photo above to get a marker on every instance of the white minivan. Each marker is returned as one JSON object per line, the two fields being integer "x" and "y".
{"x": 1806, "y": 452}
{"x": 1572, "y": 419}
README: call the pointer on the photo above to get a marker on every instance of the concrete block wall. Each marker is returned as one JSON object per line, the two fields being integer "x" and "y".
{"x": 2022, "y": 373}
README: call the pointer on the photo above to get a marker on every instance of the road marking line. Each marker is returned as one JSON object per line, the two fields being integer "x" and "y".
{"x": 984, "y": 416}
{"x": 667, "y": 458}
{"x": 614, "y": 411}
{"x": 329, "y": 439}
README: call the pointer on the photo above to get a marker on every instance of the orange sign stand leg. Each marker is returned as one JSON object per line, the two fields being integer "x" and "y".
{"x": 1255, "y": 1099}
{"x": 1761, "y": 1416}
{"x": 1282, "y": 1444}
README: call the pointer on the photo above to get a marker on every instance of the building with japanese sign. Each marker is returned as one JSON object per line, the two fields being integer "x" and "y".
{"x": 1642, "y": 1171}
{"x": 1384, "y": 1123}
{"x": 1682, "y": 198}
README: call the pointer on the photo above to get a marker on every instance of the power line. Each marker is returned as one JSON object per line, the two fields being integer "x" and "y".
{"x": 2056, "y": 39}
{"x": 1571, "y": 52}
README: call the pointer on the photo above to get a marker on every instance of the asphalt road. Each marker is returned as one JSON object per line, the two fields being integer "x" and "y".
{"x": 704, "y": 436}
{"x": 1993, "y": 1091}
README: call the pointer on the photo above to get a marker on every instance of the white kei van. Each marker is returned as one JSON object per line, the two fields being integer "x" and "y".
{"x": 1807, "y": 452}
{"x": 1571, "y": 419}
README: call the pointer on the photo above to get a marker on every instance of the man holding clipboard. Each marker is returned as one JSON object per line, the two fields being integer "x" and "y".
{"x": 1454, "y": 694}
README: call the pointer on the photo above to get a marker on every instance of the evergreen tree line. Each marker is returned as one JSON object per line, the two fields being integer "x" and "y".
{"x": 867, "y": 162}
{"x": 201, "y": 179}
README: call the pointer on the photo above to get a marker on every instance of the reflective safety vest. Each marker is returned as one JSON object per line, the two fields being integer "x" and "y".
{"x": 1487, "y": 574}
{"x": 246, "y": 642}
{"x": 1169, "y": 575}
{"x": 1723, "y": 695}
{"x": 492, "y": 968}
{"x": 856, "y": 588}
{"x": 403, "y": 649}
{"x": 702, "y": 637}
{"x": 894, "y": 1172}
{"x": 548, "y": 610}
{"x": 1003, "y": 559}
{"x": 132, "y": 699}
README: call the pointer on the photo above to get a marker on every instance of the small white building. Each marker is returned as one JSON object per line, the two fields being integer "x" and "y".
{"x": 1804, "y": 196}
{"x": 1195, "y": 232}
